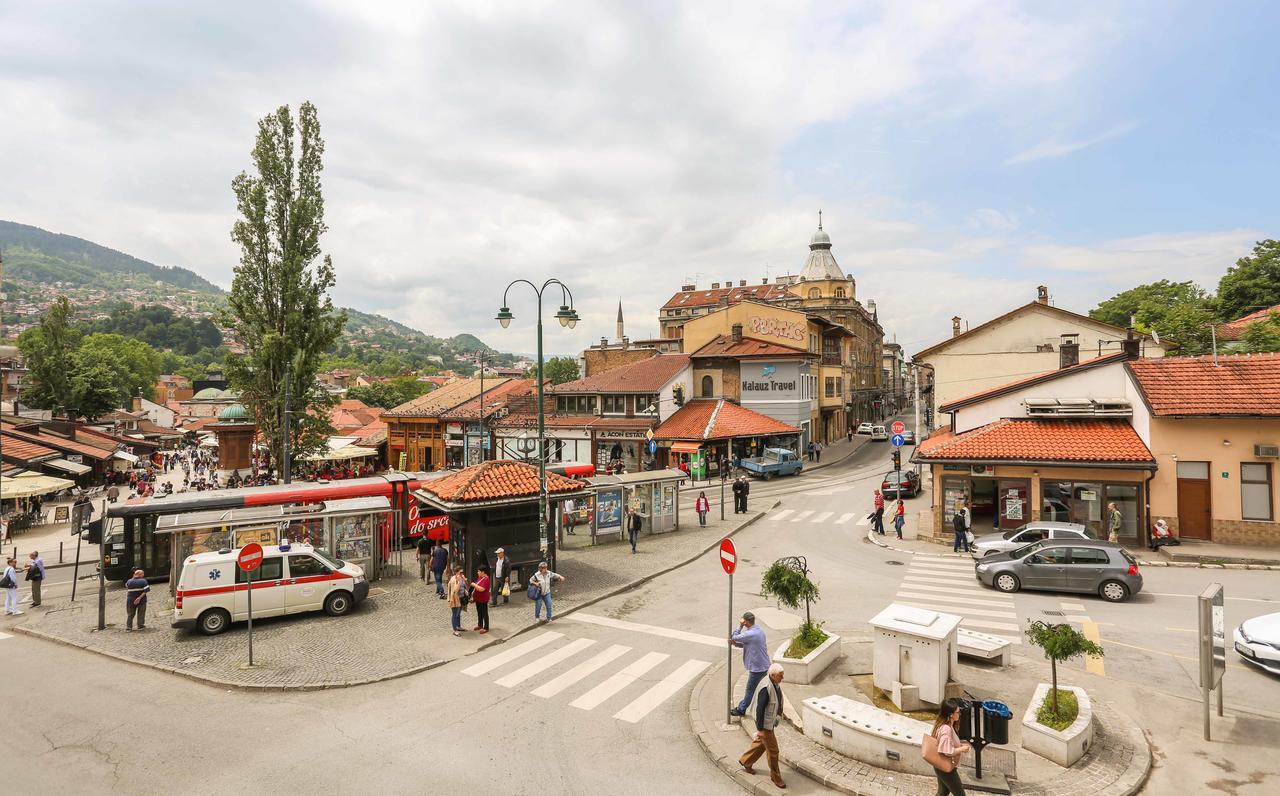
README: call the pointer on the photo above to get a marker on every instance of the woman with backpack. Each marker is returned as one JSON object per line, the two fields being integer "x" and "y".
{"x": 942, "y": 749}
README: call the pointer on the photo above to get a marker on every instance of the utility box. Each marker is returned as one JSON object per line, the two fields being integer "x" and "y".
{"x": 914, "y": 655}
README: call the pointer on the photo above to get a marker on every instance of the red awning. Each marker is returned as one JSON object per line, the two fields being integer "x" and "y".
{"x": 685, "y": 447}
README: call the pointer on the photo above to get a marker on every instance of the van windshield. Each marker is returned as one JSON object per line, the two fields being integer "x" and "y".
{"x": 336, "y": 563}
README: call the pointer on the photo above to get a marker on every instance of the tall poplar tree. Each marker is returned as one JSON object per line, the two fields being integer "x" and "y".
{"x": 279, "y": 308}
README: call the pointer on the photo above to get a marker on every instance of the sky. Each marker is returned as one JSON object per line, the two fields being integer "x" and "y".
{"x": 961, "y": 152}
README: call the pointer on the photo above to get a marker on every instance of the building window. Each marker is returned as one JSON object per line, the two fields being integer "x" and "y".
{"x": 644, "y": 401}
{"x": 614, "y": 404}
{"x": 814, "y": 293}
{"x": 576, "y": 404}
{"x": 1255, "y": 491}
{"x": 840, "y": 294}
{"x": 839, "y": 386}
{"x": 831, "y": 386}
{"x": 708, "y": 387}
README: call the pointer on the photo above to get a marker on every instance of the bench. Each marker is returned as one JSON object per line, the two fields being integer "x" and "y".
{"x": 866, "y": 733}
{"x": 984, "y": 646}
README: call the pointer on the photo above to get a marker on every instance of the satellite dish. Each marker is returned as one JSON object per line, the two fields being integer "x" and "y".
{"x": 1155, "y": 335}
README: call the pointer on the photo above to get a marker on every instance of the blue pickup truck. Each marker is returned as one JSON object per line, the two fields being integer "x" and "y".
{"x": 775, "y": 461}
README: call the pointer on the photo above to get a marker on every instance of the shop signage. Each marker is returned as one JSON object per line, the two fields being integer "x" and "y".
{"x": 788, "y": 330}
{"x": 452, "y": 442}
{"x": 768, "y": 386}
{"x": 620, "y": 434}
{"x": 435, "y": 526}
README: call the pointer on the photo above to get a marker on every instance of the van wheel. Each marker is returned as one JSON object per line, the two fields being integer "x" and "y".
{"x": 338, "y": 603}
{"x": 768, "y": 476}
{"x": 213, "y": 621}
{"x": 1007, "y": 582}
{"x": 1113, "y": 591}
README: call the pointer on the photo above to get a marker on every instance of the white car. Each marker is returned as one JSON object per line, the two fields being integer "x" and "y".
{"x": 879, "y": 434}
{"x": 864, "y": 429}
{"x": 1258, "y": 641}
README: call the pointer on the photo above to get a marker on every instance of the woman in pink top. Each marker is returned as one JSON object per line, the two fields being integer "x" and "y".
{"x": 480, "y": 596}
{"x": 702, "y": 506}
{"x": 950, "y": 748}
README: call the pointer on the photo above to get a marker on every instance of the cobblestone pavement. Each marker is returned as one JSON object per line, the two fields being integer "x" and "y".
{"x": 402, "y": 628}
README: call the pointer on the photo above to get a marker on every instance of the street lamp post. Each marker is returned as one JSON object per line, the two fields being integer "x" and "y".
{"x": 568, "y": 317}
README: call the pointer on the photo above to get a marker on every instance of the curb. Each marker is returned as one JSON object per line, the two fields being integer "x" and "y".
{"x": 727, "y": 764}
{"x": 871, "y": 537}
{"x": 219, "y": 682}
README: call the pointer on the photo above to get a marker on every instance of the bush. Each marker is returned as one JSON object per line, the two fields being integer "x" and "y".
{"x": 808, "y": 638}
{"x": 1065, "y": 716}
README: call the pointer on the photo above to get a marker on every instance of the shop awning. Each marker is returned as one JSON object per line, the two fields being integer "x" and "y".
{"x": 32, "y": 485}
{"x": 341, "y": 454}
{"x": 125, "y": 456}
{"x": 75, "y": 468}
{"x": 685, "y": 447}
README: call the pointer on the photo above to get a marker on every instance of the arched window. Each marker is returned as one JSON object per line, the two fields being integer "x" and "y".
{"x": 708, "y": 387}
{"x": 839, "y": 292}
{"x": 815, "y": 293}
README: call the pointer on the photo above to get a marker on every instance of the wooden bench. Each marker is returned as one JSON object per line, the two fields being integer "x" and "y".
{"x": 981, "y": 645}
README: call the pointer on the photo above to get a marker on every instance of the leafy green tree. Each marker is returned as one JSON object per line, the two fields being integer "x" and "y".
{"x": 1262, "y": 336}
{"x": 95, "y": 388}
{"x": 279, "y": 307}
{"x": 48, "y": 350}
{"x": 558, "y": 370}
{"x": 134, "y": 366}
{"x": 787, "y": 581}
{"x": 1179, "y": 312}
{"x": 391, "y": 393}
{"x": 1253, "y": 283}
{"x": 1060, "y": 642}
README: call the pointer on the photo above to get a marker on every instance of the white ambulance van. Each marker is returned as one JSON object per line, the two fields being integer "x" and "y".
{"x": 212, "y": 591}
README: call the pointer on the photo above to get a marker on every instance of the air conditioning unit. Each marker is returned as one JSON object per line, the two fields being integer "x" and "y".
{"x": 983, "y": 469}
{"x": 1266, "y": 451}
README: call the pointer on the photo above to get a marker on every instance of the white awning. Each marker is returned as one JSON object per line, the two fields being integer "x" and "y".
{"x": 65, "y": 466}
{"x": 30, "y": 485}
{"x": 125, "y": 456}
{"x": 342, "y": 454}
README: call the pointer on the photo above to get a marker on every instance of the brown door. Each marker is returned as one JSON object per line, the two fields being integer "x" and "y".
{"x": 1193, "y": 508}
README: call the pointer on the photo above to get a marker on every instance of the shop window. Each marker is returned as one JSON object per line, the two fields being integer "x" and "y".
{"x": 1255, "y": 491}
{"x": 708, "y": 387}
{"x": 1126, "y": 499}
{"x": 272, "y": 569}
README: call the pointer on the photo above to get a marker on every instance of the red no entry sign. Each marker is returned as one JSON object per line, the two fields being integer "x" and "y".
{"x": 899, "y": 427}
{"x": 250, "y": 557}
{"x": 728, "y": 556}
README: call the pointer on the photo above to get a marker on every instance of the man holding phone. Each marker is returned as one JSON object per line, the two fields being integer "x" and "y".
{"x": 755, "y": 657}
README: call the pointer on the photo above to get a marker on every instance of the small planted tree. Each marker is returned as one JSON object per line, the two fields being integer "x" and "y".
{"x": 1060, "y": 642}
{"x": 787, "y": 581}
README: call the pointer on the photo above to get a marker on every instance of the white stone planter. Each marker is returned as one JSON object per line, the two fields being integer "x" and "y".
{"x": 1062, "y": 747}
{"x": 807, "y": 669}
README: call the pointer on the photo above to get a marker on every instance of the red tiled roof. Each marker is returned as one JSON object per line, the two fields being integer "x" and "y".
{"x": 496, "y": 480}
{"x": 369, "y": 430}
{"x": 24, "y": 450}
{"x": 494, "y": 398}
{"x": 1240, "y": 385}
{"x": 709, "y": 298}
{"x": 1234, "y": 329}
{"x": 1040, "y": 440}
{"x": 724, "y": 346}
{"x": 720, "y": 419}
{"x": 586, "y": 422}
{"x": 647, "y": 375}
{"x": 58, "y": 443}
{"x": 1036, "y": 379}
{"x": 442, "y": 399}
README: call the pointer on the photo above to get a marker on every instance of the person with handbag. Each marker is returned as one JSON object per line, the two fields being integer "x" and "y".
{"x": 501, "y": 576}
{"x": 35, "y": 576}
{"x": 942, "y": 749}
{"x": 457, "y": 588}
{"x": 633, "y": 529}
{"x": 540, "y": 590}
{"x": 480, "y": 595}
{"x": 9, "y": 582}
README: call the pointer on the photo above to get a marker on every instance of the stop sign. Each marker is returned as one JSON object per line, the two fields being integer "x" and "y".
{"x": 898, "y": 427}
{"x": 250, "y": 557}
{"x": 728, "y": 556}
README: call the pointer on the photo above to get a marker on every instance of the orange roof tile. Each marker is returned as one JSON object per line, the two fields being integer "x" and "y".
{"x": 496, "y": 480}
{"x": 1040, "y": 440}
{"x": 58, "y": 443}
{"x": 1239, "y": 385}
{"x": 494, "y": 398}
{"x": 647, "y": 375}
{"x": 725, "y": 346}
{"x": 719, "y": 419}
{"x": 25, "y": 450}
{"x": 1234, "y": 329}
{"x": 442, "y": 399}
{"x": 709, "y": 298}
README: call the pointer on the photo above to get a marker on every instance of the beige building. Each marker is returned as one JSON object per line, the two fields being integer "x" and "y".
{"x": 1034, "y": 338}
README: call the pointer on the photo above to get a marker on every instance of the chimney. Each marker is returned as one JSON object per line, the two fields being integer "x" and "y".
{"x": 1069, "y": 350}
{"x": 688, "y": 288}
{"x": 1131, "y": 345}
{"x": 955, "y": 326}
{"x": 742, "y": 283}
{"x": 871, "y": 307}
{"x": 604, "y": 342}
{"x": 737, "y": 332}
{"x": 765, "y": 281}
{"x": 715, "y": 285}
{"x": 1042, "y": 294}
{"x": 625, "y": 343}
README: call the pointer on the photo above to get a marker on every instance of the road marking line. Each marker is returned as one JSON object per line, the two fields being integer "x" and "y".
{"x": 925, "y": 596}
{"x": 1081, "y": 618}
{"x": 1183, "y": 629}
{"x": 1093, "y": 663}
{"x": 865, "y": 522}
{"x": 778, "y": 515}
{"x": 721, "y": 642}
{"x": 6, "y": 635}
{"x": 844, "y": 518}
{"x": 661, "y": 692}
{"x": 799, "y": 517}
{"x": 956, "y": 582}
{"x": 1238, "y": 666}
{"x": 952, "y": 564}
{"x": 545, "y": 662}
{"x": 503, "y": 658}
{"x": 941, "y": 572}
{"x": 951, "y": 609}
{"x": 619, "y": 681}
{"x": 822, "y": 517}
{"x": 1241, "y": 599}
{"x": 553, "y": 687}
{"x": 977, "y": 594}
{"x": 1072, "y": 607}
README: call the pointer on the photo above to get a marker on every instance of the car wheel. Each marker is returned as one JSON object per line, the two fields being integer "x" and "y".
{"x": 768, "y": 476}
{"x": 338, "y": 603}
{"x": 213, "y": 621}
{"x": 1007, "y": 582}
{"x": 1113, "y": 591}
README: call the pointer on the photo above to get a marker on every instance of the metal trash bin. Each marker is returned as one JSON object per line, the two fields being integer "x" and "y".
{"x": 966, "y": 720}
{"x": 995, "y": 720}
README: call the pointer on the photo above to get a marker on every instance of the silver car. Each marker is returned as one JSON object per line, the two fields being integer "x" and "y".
{"x": 988, "y": 544}
{"x": 1084, "y": 565}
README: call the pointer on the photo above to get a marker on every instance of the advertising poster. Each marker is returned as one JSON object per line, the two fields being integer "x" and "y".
{"x": 609, "y": 509}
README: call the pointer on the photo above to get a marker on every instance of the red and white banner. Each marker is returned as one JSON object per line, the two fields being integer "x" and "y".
{"x": 435, "y": 526}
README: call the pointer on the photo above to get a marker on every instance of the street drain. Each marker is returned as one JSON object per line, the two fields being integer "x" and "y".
{"x": 893, "y": 563}
{"x": 1053, "y": 613}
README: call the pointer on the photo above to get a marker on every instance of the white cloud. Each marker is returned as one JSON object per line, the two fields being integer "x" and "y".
{"x": 1056, "y": 148}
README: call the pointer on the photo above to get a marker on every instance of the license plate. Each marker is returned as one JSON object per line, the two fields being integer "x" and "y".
{"x": 1245, "y": 651}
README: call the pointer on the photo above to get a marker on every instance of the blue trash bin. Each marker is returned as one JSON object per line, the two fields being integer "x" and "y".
{"x": 995, "y": 721}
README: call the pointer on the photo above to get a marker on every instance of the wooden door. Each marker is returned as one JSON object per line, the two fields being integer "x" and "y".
{"x": 1193, "y": 508}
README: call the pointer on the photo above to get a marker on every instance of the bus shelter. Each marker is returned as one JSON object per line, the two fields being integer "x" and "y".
{"x": 601, "y": 514}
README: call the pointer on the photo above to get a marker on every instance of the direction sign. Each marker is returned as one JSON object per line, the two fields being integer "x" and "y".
{"x": 728, "y": 556}
{"x": 250, "y": 557}
{"x": 898, "y": 427}
{"x": 898, "y": 440}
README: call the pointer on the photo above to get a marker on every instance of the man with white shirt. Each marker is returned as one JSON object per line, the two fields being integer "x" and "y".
{"x": 501, "y": 574}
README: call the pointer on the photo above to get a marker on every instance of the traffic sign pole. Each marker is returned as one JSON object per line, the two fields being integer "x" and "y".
{"x": 249, "y": 578}
{"x": 248, "y": 561}
{"x": 729, "y": 562}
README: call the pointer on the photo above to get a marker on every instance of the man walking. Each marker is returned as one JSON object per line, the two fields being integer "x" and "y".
{"x": 35, "y": 576}
{"x": 877, "y": 517}
{"x": 439, "y": 558}
{"x": 423, "y": 555}
{"x": 136, "y": 600}
{"x": 737, "y": 496}
{"x": 633, "y": 528}
{"x": 960, "y": 523}
{"x": 1115, "y": 521}
{"x": 755, "y": 657}
{"x": 540, "y": 590}
{"x": 817, "y": 452}
{"x": 768, "y": 716}
{"x": 746, "y": 491}
{"x": 501, "y": 574}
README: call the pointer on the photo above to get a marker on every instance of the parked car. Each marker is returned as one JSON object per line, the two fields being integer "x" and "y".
{"x": 774, "y": 461}
{"x": 1257, "y": 640}
{"x": 864, "y": 429}
{"x": 989, "y": 544}
{"x": 1075, "y": 565}
{"x": 879, "y": 434}
{"x": 910, "y": 481}
{"x": 909, "y": 437}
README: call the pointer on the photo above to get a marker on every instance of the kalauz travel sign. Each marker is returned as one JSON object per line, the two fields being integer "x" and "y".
{"x": 769, "y": 381}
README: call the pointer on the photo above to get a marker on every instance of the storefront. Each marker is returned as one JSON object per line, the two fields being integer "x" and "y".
{"x": 1004, "y": 503}
{"x": 620, "y": 444}
{"x": 721, "y": 430}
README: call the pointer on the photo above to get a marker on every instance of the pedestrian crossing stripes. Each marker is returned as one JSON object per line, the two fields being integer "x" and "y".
{"x": 815, "y": 516}
{"x": 515, "y": 653}
{"x": 938, "y": 583}
{"x": 781, "y": 515}
{"x": 5, "y": 636}
{"x": 619, "y": 681}
{"x": 581, "y": 671}
{"x": 659, "y": 693}
{"x": 544, "y": 662}
{"x": 823, "y": 517}
{"x": 845, "y": 518}
{"x": 800, "y": 517}
{"x": 635, "y": 627}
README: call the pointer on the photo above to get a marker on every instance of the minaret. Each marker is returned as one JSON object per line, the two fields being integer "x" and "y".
{"x": 620, "y": 320}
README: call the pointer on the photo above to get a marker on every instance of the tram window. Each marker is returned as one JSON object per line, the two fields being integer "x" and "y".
{"x": 272, "y": 569}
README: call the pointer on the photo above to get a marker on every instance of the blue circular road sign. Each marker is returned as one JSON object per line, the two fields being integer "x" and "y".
{"x": 898, "y": 440}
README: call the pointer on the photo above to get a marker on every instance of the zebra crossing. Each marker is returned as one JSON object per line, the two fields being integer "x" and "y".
{"x": 821, "y": 517}
{"x": 945, "y": 584}
{"x": 553, "y": 666}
